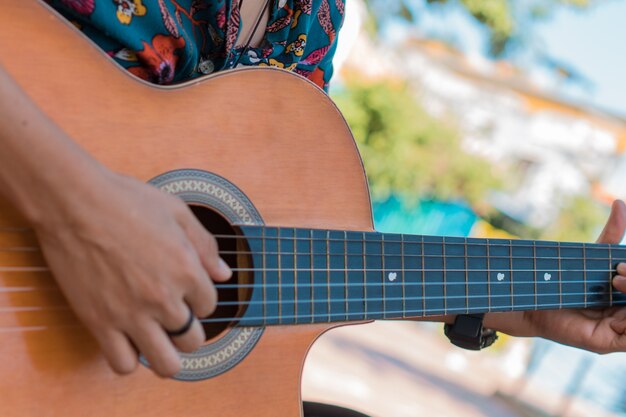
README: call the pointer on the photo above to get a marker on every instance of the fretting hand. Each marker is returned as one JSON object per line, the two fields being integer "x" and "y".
{"x": 601, "y": 331}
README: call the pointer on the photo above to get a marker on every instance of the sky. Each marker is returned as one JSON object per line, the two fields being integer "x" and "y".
{"x": 592, "y": 41}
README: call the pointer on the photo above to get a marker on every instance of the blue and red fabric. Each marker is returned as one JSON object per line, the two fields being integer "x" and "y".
{"x": 169, "y": 41}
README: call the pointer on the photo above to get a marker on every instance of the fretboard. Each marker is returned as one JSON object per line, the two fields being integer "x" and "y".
{"x": 312, "y": 276}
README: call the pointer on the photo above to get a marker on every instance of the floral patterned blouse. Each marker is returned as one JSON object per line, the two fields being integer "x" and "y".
{"x": 168, "y": 41}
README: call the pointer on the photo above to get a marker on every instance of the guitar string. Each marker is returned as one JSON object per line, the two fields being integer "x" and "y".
{"x": 37, "y": 328}
{"x": 293, "y": 238}
{"x": 418, "y": 313}
{"x": 464, "y": 241}
{"x": 341, "y": 284}
{"x": 360, "y": 255}
{"x": 432, "y": 311}
{"x": 392, "y": 299}
{"x": 321, "y": 269}
{"x": 445, "y": 240}
{"x": 293, "y": 302}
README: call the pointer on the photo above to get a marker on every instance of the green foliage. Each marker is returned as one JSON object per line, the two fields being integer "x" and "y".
{"x": 409, "y": 153}
{"x": 497, "y": 16}
{"x": 406, "y": 151}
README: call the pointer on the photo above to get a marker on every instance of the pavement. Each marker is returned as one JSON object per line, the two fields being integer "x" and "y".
{"x": 408, "y": 369}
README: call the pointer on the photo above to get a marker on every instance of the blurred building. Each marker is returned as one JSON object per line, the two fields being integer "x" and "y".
{"x": 555, "y": 148}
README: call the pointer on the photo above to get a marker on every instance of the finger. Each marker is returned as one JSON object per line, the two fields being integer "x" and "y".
{"x": 206, "y": 245}
{"x": 619, "y": 282}
{"x": 202, "y": 297}
{"x": 200, "y": 293}
{"x": 118, "y": 351}
{"x": 152, "y": 341}
{"x": 191, "y": 338}
{"x": 613, "y": 231}
{"x": 618, "y": 325}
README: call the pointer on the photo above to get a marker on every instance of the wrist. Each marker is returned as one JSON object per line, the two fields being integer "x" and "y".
{"x": 518, "y": 323}
{"x": 63, "y": 199}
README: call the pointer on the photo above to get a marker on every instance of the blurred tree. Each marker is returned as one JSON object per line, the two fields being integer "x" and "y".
{"x": 412, "y": 155}
{"x": 507, "y": 21}
{"x": 407, "y": 152}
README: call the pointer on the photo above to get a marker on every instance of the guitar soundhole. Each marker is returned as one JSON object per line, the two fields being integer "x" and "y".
{"x": 229, "y": 249}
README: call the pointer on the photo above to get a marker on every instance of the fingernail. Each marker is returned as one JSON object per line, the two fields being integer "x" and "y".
{"x": 224, "y": 268}
{"x": 621, "y": 268}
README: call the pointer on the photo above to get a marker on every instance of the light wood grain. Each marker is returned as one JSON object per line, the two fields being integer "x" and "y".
{"x": 275, "y": 136}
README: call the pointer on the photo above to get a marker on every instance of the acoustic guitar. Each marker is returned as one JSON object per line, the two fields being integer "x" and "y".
{"x": 293, "y": 218}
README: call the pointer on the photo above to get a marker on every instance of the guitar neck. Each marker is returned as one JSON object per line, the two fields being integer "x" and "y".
{"x": 306, "y": 276}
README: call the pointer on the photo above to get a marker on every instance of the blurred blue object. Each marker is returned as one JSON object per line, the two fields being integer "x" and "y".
{"x": 427, "y": 217}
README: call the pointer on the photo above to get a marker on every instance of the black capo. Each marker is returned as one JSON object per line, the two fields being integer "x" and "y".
{"x": 468, "y": 332}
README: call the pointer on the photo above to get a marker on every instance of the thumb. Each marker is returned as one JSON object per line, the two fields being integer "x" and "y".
{"x": 613, "y": 231}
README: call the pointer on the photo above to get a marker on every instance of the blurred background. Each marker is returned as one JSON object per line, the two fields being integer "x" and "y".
{"x": 483, "y": 118}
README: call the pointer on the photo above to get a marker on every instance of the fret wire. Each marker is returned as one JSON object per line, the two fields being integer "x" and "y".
{"x": 403, "y": 279}
{"x": 585, "y": 272}
{"x": 311, "y": 277}
{"x": 345, "y": 263}
{"x": 382, "y": 274}
{"x": 423, "y": 278}
{"x": 264, "y": 275}
{"x": 558, "y": 249}
{"x": 511, "y": 272}
{"x": 535, "y": 272}
{"x": 445, "y": 276}
{"x": 488, "y": 277}
{"x": 524, "y": 307}
{"x": 466, "y": 277}
{"x": 328, "y": 271}
{"x": 280, "y": 272}
{"x": 295, "y": 275}
{"x": 364, "y": 277}
{"x": 610, "y": 283}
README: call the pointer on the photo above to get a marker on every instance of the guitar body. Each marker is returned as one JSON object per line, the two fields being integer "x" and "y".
{"x": 271, "y": 134}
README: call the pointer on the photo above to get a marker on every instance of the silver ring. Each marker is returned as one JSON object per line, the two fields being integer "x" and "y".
{"x": 184, "y": 329}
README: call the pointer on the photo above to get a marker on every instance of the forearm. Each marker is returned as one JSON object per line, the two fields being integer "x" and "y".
{"x": 38, "y": 160}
